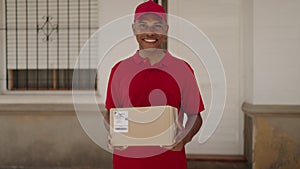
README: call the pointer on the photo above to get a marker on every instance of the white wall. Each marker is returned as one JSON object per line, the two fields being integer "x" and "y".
{"x": 220, "y": 21}
{"x": 121, "y": 50}
{"x": 276, "y": 52}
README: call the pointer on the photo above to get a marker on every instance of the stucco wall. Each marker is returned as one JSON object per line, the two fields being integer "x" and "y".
{"x": 272, "y": 136}
{"x": 277, "y": 144}
{"x": 46, "y": 139}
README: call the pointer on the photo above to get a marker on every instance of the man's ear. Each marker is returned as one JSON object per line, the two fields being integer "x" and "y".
{"x": 133, "y": 28}
{"x": 167, "y": 29}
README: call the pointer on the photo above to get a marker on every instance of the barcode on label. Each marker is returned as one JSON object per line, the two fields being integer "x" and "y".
{"x": 121, "y": 128}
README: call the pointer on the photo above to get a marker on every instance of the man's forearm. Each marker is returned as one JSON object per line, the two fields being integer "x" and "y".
{"x": 193, "y": 125}
{"x": 106, "y": 119}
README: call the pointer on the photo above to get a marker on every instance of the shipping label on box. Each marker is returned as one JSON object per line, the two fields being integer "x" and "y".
{"x": 120, "y": 121}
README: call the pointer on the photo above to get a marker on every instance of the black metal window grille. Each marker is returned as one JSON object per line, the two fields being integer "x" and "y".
{"x": 164, "y": 3}
{"x": 43, "y": 40}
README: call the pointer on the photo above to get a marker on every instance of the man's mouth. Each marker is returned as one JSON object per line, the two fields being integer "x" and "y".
{"x": 150, "y": 40}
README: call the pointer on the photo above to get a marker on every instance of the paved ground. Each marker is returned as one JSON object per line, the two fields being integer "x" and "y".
{"x": 191, "y": 165}
{"x": 217, "y": 165}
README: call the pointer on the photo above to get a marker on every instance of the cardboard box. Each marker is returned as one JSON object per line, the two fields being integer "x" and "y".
{"x": 143, "y": 126}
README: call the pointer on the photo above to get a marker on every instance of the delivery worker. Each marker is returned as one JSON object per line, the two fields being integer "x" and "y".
{"x": 153, "y": 77}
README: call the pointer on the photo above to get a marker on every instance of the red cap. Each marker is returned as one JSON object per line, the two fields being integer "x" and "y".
{"x": 150, "y": 7}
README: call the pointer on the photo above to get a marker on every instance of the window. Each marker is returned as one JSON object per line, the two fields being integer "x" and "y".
{"x": 43, "y": 41}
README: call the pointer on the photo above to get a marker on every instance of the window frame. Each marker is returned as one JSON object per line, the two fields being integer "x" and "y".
{"x": 4, "y": 71}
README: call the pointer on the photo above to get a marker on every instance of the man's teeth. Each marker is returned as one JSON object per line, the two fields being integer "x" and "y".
{"x": 150, "y": 40}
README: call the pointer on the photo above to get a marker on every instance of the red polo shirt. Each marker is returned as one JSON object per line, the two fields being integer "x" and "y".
{"x": 134, "y": 82}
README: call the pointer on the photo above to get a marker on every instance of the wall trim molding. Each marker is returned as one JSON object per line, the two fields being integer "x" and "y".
{"x": 219, "y": 158}
{"x": 267, "y": 110}
{"x": 35, "y": 108}
{"x": 44, "y": 108}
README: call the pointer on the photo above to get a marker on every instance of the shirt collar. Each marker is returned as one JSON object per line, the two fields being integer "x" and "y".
{"x": 166, "y": 61}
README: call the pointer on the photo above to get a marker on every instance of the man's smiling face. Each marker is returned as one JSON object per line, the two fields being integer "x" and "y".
{"x": 150, "y": 30}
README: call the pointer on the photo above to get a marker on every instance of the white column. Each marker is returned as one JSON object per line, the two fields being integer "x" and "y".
{"x": 246, "y": 12}
{"x": 2, "y": 49}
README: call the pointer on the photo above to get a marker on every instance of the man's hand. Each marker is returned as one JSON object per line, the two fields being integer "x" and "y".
{"x": 179, "y": 138}
{"x": 111, "y": 147}
{"x": 185, "y": 134}
{"x": 107, "y": 126}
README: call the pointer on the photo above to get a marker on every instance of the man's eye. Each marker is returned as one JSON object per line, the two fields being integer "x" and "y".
{"x": 141, "y": 25}
{"x": 158, "y": 26}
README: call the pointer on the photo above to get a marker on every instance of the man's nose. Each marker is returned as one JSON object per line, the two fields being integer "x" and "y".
{"x": 150, "y": 33}
{"x": 149, "y": 30}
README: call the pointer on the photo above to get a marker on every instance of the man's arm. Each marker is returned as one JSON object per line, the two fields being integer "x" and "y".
{"x": 186, "y": 134}
{"x": 105, "y": 114}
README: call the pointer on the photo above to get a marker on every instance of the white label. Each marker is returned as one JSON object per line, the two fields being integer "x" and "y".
{"x": 121, "y": 121}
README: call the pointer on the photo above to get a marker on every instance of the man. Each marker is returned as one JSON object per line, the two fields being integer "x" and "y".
{"x": 153, "y": 77}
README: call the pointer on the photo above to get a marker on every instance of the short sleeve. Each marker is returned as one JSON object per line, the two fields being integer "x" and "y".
{"x": 111, "y": 90}
{"x": 192, "y": 102}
